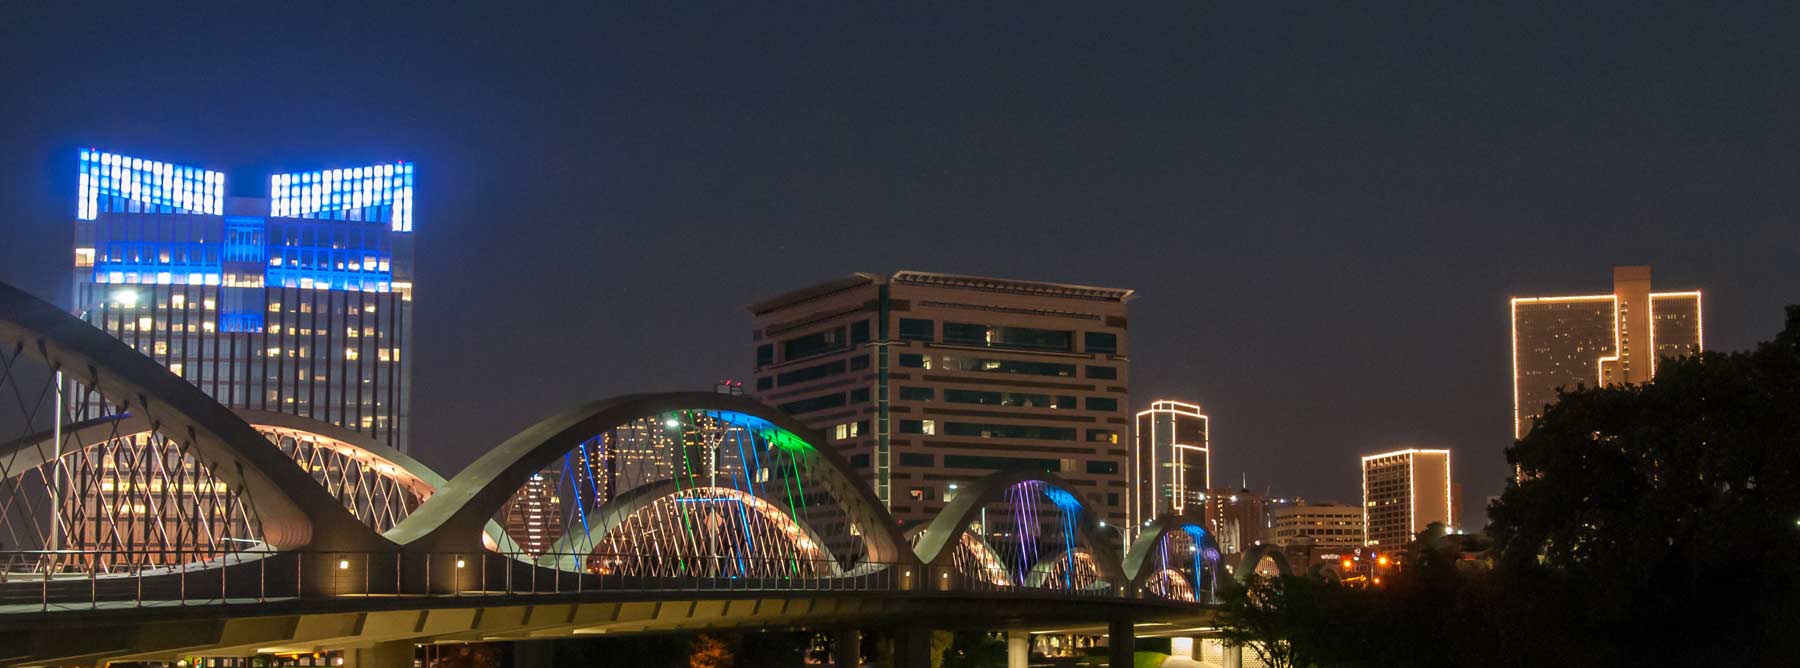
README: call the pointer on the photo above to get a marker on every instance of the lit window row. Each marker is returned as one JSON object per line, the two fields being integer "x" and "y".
{"x": 156, "y": 278}
{"x": 153, "y": 186}
{"x": 359, "y": 193}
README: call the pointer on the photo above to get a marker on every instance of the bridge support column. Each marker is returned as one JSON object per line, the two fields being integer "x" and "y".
{"x": 1234, "y": 656}
{"x": 846, "y": 649}
{"x": 912, "y": 646}
{"x": 395, "y": 654}
{"x": 1018, "y": 649}
{"x": 1121, "y": 643}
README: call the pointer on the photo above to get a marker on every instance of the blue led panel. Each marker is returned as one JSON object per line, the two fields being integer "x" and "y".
{"x": 112, "y": 182}
{"x": 382, "y": 193}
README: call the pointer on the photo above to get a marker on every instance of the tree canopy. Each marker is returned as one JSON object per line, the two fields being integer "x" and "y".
{"x": 1654, "y": 524}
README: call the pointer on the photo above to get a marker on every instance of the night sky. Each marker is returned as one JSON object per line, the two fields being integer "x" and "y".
{"x": 1323, "y": 210}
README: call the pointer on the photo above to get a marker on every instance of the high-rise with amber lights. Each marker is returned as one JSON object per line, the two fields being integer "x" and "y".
{"x": 1171, "y": 461}
{"x": 1597, "y": 340}
{"x": 1404, "y": 491}
{"x": 299, "y": 302}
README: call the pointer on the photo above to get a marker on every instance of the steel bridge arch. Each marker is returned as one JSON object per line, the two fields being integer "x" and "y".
{"x": 23, "y": 453}
{"x": 1138, "y": 563}
{"x": 936, "y": 547}
{"x": 1256, "y": 555}
{"x": 561, "y": 555}
{"x": 293, "y": 512}
{"x": 452, "y": 520}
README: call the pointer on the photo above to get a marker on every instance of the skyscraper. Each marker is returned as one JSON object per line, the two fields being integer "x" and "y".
{"x": 926, "y": 380}
{"x": 299, "y": 302}
{"x": 1597, "y": 340}
{"x": 1171, "y": 461}
{"x": 1403, "y": 492}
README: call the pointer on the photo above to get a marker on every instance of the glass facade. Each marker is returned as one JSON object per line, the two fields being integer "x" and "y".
{"x": 297, "y": 303}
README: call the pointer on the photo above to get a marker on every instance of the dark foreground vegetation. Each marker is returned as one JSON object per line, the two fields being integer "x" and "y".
{"x": 1656, "y": 525}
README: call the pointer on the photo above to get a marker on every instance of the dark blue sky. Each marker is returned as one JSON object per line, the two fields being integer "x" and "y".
{"x": 1323, "y": 208}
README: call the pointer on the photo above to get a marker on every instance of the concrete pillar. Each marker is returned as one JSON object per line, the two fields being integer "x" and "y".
{"x": 1234, "y": 656}
{"x": 1018, "y": 649}
{"x": 846, "y": 649}
{"x": 393, "y": 654}
{"x": 1121, "y": 643}
{"x": 912, "y": 646}
{"x": 534, "y": 654}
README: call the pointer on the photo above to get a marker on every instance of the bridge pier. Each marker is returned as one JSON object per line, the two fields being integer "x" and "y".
{"x": 1121, "y": 643}
{"x": 1018, "y": 649}
{"x": 912, "y": 646}
{"x": 392, "y": 654}
{"x": 846, "y": 649}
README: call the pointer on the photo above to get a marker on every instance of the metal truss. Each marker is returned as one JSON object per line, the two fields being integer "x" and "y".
{"x": 109, "y": 491}
{"x": 688, "y": 493}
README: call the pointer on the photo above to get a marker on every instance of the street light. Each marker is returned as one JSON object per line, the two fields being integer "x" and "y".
{"x": 127, "y": 297}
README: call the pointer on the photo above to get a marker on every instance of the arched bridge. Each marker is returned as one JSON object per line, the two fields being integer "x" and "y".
{"x": 165, "y": 510}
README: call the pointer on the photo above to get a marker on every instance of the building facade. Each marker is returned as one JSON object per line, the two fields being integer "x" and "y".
{"x": 1404, "y": 491}
{"x": 927, "y": 380}
{"x": 1331, "y": 526}
{"x": 1171, "y": 461}
{"x": 299, "y": 302}
{"x": 1597, "y": 340}
{"x": 1240, "y": 518}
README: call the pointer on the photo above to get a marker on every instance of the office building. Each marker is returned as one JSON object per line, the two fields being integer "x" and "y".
{"x": 1171, "y": 461}
{"x": 1403, "y": 492}
{"x": 298, "y": 300}
{"x": 1597, "y": 339}
{"x": 1334, "y": 527}
{"x": 925, "y": 380}
{"x": 1240, "y": 518}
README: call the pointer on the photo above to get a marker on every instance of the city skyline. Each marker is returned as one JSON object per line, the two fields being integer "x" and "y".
{"x": 1303, "y": 247}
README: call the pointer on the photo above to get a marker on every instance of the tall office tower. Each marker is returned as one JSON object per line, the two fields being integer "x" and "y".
{"x": 1238, "y": 518}
{"x": 1171, "y": 462}
{"x": 1597, "y": 339}
{"x": 1403, "y": 492}
{"x": 299, "y": 302}
{"x": 1331, "y": 526}
{"x": 926, "y": 380}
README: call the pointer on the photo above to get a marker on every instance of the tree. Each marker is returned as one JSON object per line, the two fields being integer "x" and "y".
{"x": 710, "y": 651}
{"x": 1672, "y": 507}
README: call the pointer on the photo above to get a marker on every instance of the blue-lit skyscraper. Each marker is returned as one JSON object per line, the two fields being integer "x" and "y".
{"x": 299, "y": 302}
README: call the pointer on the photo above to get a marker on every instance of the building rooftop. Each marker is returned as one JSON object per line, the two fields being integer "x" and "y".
{"x": 959, "y": 281}
{"x": 1065, "y": 290}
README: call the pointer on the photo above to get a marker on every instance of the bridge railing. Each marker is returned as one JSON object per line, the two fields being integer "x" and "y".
{"x": 49, "y": 581}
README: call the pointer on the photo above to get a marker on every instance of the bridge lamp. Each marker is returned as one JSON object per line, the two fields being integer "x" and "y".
{"x": 459, "y": 563}
{"x": 343, "y": 564}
